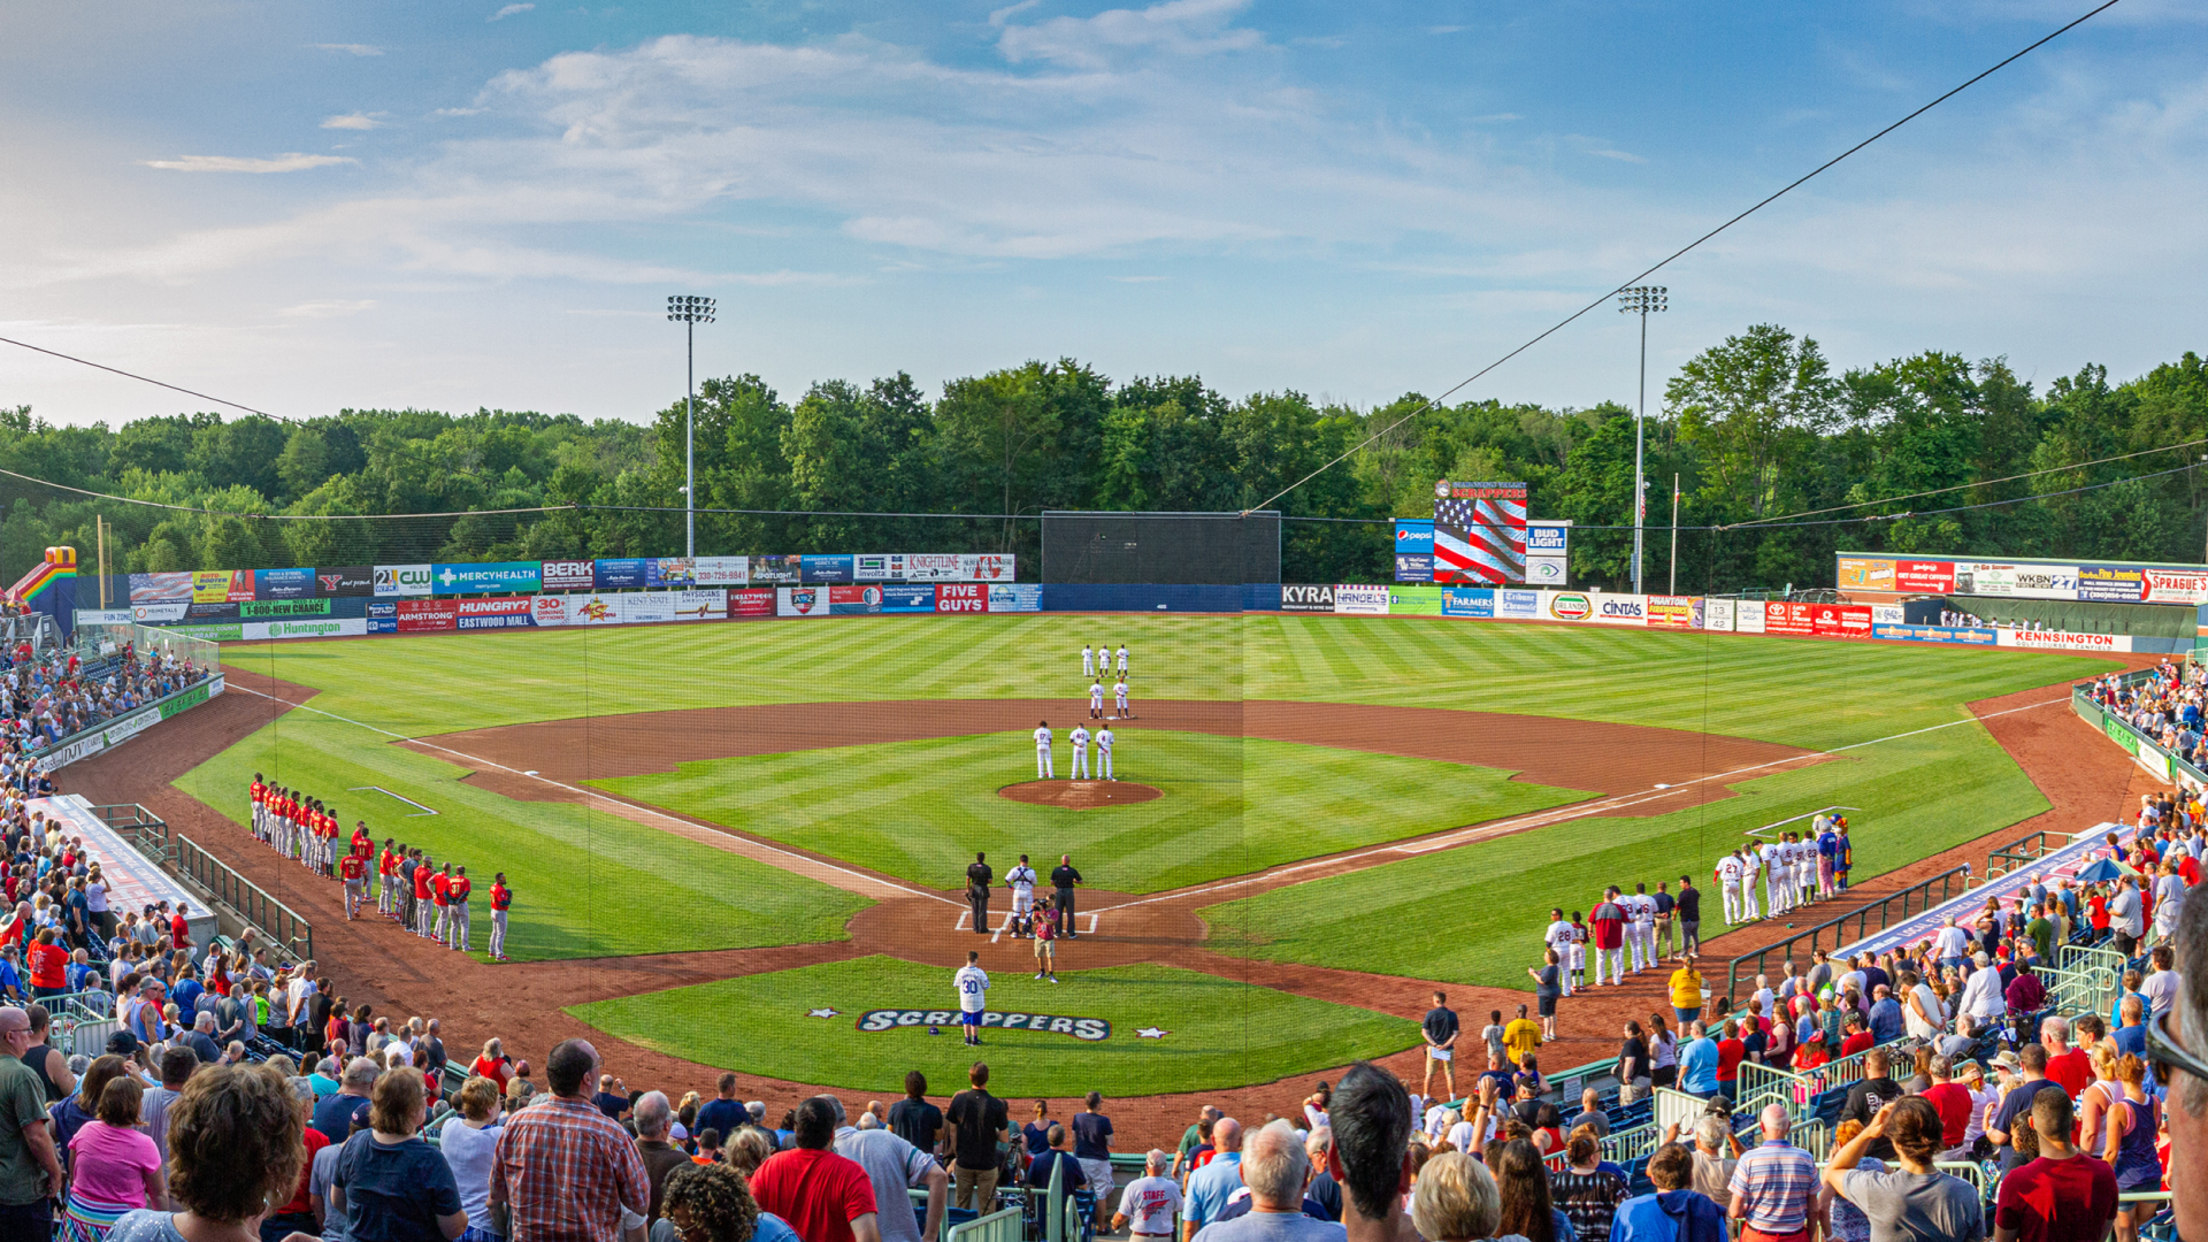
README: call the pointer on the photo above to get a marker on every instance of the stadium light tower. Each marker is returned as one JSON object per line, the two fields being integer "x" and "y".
{"x": 690, "y": 312}
{"x": 1643, "y": 300}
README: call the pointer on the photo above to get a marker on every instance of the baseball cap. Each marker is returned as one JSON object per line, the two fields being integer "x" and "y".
{"x": 122, "y": 1043}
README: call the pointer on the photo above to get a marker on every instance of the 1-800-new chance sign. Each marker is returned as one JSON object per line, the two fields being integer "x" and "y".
{"x": 1088, "y": 1030}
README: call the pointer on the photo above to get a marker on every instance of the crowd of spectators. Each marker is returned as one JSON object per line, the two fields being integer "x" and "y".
{"x": 51, "y": 696}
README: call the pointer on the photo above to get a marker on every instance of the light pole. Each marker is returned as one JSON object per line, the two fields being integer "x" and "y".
{"x": 690, "y": 312}
{"x": 1642, "y": 300}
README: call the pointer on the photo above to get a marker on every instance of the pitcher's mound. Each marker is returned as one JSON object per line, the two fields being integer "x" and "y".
{"x": 1079, "y": 795}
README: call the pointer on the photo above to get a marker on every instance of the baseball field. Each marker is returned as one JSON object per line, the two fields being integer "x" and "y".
{"x": 1366, "y": 801}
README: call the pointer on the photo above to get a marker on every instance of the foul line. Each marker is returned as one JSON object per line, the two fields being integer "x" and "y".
{"x": 592, "y": 793}
{"x": 1543, "y": 819}
{"x": 401, "y": 797}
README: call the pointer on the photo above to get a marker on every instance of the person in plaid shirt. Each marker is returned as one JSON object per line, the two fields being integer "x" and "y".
{"x": 563, "y": 1171}
{"x": 1773, "y": 1186}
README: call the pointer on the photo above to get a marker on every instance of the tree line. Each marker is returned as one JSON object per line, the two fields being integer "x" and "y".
{"x": 1759, "y": 429}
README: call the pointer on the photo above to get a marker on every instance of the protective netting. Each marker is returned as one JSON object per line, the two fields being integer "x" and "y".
{"x": 1166, "y": 549}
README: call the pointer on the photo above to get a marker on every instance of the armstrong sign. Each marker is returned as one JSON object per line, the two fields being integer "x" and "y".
{"x": 1088, "y": 1030}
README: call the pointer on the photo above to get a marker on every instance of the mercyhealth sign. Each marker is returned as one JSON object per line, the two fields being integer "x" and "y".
{"x": 1088, "y": 1030}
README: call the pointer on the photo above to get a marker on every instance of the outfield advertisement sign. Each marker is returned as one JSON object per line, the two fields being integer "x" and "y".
{"x": 966, "y": 597}
{"x": 1307, "y": 599}
{"x": 221, "y": 586}
{"x": 830, "y": 568}
{"x": 775, "y": 570}
{"x": 2003, "y": 580}
{"x": 511, "y": 612}
{"x": 1415, "y": 601}
{"x": 428, "y": 616}
{"x": 1840, "y": 621}
{"x": 345, "y": 581}
{"x": 1789, "y": 617}
{"x": 1414, "y": 538}
{"x": 1957, "y": 635}
{"x": 487, "y": 577}
{"x": 801, "y": 601}
{"x": 751, "y": 604}
{"x": 868, "y": 599}
{"x": 159, "y": 613}
{"x": 1749, "y": 615}
{"x": 1011, "y": 597}
{"x": 723, "y": 571}
{"x": 647, "y": 607}
{"x": 2061, "y": 640}
{"x": 1671, "y": 612}
{"x": 623, "y": 573}
{"x": 1361, "y": 601}
{"x": 167, "y": 588}
{"x": 1475, "y": 602}
{"x": 271, "y": 584}
{"x": 1414, "y": 568}
{"x": 393, "y": 580}
{"x": 2174, "y": 587}
{"x": 569, "y": 575}
{"x": 1717, "y": 614}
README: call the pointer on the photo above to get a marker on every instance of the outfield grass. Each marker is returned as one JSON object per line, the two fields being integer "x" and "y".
{"x": 586, "y": 884}
{"x": 1219, "y": 1033}
{"x": 1916, "y": 796}
{"x": 918, "y": 810}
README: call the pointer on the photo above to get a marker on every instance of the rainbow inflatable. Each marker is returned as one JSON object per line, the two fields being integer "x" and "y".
{"x": 51, "y": 588}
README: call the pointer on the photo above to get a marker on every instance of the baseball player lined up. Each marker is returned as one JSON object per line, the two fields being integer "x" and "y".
{"x": 972, "y": 984}
{"x": 1043, "y": 769}
{"x": 1096, "y": 700}
{"x": 1119, "y": 694}
{"x": 1088, "y": 660}
{"x": 1104, "y": 753}
{"x": 1080, "y": 739}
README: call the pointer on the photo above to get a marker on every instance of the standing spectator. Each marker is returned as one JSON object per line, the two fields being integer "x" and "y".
{"x": 391, "y": 1185}
{"x": 1772, "y": 1185}
{"x": 565, "y": 1171}
{"x": 824, "y": 1196}
{"x": 1587, "y": 1193}
{"x": 1633, "y": 1069}
{"x": 979, "y": 1121}
{"x": 1548, "y": 988}
{"x": 177, "y": 1067}
{"x": 1149, "y": 1203}
{"x": 1716, "y": 1155}
{"x": 1035, "y": 1135}
{"x": 495, "y": 1065}
{"x": 469, "y": 1144}
{"x": 1522, "y": 1037}
{"x": 45, "y": 1060}
{"x": 2130, "y": 1145}
{"x": 894, "y": 1166}
{"x": 654, "y": 1118}
{"x": 1675, "y": 1212}
{"x": 2160, "y": 988}
{"x": 1690, "y": 923}
{"x": 1323, "y": 1190}
{"x": 235, "y": 1151}
{"x": 1698, "y": 1062}
{"x": 1456, "y": 1200}
{"x": 1439, "y": 1029}
{"x": 1092, "y": 1146}
{"x": 2064, "y": 1195}
{"x": 336, "y": 1116}
{"x": 1869, "y": 1097}
{"x": 1607, "y": 920}
{"x": 1686, "y": 992}
{"x": 1371, "y": 1159}
{"x": 2031, "y": 1066}
{"x": 912, "y": 1119}
{"x": 113, "y": 1166}
{"x": 2071, "y": 1068}
{"x": 1210, "y": 1187}
{"x": 1275, "y": 1168}
{"x": 713, "y": 1203}
{"x": 1916, "y": 1201}
{"x": 724, "y": 1112}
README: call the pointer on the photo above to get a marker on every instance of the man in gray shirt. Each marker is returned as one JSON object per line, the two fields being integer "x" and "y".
{"x": 894, "y": 1166}
{"x": 1275, "y": 1169}
{"x": 1915, "y": 1203}
{"x": 177, "y": 1065}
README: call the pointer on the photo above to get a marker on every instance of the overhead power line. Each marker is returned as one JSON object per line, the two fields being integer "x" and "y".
{"x": 143, "y": 379}
{"x": 1660, "y": 264}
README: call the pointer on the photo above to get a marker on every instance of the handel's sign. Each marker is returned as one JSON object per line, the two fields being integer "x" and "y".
{"x": 1088, "y": 1030}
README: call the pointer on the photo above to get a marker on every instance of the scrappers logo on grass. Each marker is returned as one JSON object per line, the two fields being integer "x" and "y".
{"x": 1088, "y": 1030}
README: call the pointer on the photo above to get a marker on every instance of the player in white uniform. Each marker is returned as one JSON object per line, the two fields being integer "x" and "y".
{"x": 1096, "y": 700}
{"x": 1640, "y": 927}
{"x": 1042, "y": 752}
{"x": 972, "y": 982}
{"x": 1088, "y": 660}
{"x": 1728, "y": 883}
{"x": 1021, "y": 880}
{"x": 1560, "y": 937}
{"x": 1080, "y": 739}
{"x": 1123, "y": 661}
{"x": 1805, "y": 869}
{"x": 1750, "y": 863}
{"x": 1774, "y": 877}
{"x": 1104, "y": 753}
{"x": 1119, "y": 695}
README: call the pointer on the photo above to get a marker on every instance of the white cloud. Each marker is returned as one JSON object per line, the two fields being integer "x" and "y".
{"x": 509, "y": 11}
{"x": 352, "y": 49}
{"x": 354, "y": 120}
{"x": 292, "y": 161}
{"x": 1612, "y": 153}
{"x": 334, "y": 309}
{"x": 1177, "y": 27}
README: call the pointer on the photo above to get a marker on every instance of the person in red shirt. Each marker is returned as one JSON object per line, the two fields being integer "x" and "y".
{"x": 440, "y": 896}
{"x": 180, "y": 928}
{"x": 364, "y": 846}
{"x": 49, "y": 964}
{"x": 2065, "y": 1195}
{"x": 423, "y": 910}
{"x": 458, "y": 890}
{"x": 257, "y": 792}
{"x": 355, "y": 869}
{"x": 1607, "y": 920}
{"x": 1953, "y": 1100}
{"x": 2072, "y": 1067}
{"x": 1731, "y": 1051}
{"x": 824, "y": 1197}
{"x": 501, "y": 898}
{"x": 1812, "y": 1053}
{"x": 1858, "y": 1036}
{"x": 387, "y": 867}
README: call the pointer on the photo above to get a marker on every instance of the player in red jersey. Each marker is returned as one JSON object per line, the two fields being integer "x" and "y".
{"x": 387, "y": 872}
{"x": 424, "y": 912}
{"x": 355, "y": 871}
{"x": 440, "y": 895}
{"x": 501, "y": 898}
{"x": 258, "y": 792}
{"x": 460, "y": 887}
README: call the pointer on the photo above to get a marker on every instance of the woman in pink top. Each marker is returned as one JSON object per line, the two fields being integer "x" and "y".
{"x": 113, "y": 1166}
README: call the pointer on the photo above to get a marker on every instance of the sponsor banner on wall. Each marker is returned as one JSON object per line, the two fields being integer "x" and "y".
{"x": 568, "y": 575}
{"x": 213, "y": 612}
{"x": 1414, "y": 568}
{"x": 801, "y": 601}
{"x": 170, "y": 588}
{"x": 548, "y": 610}
{"x": 402, "y": 580}
{"x": 596, "y": 608}
{"x": 428, "y": 616}
{"x": 326, "y": 627}
{"x": 1548, "y": 538}
{"x": 961, "y": 597}
{"x": 1567, "y": 606}
{"x": 1924, "y": 577}
{"x": 345, "y": 581}
{"x": 1547, "y": 571}
{"x": 1671, "y": 612}
{"x": 1414, "y": 539}
{"x": 383, "y": 617}
{"x": 508, "y": 612}
{"x": 988, "y": 566}
{"x": 158, "y": 614}
{"x": 622, "y": 573}
{"x": 1862, "y": 573}
{"x": 776, "y": 570}
{"x": 648, "y": 607}
{"x": 723, "y": 571}
{"x": 108, "y": 616}
{"x": 1411, "y": 601}
{"x": 908, "y": 597}
{"x": 1513, "y": 605}
{"x": 1307, "y": 599}
{"x": 1015, "y": 597}
{"x": 2003, "y": 580}
{"x": 1962, "y": 636}
{"x": 284, "y": 608}
{"x": 2176, "y": 587}
{"x": 487, "y": 577}
{"x": 222, "y": 586}
{"x": 1791, "y": 617}
{"x": 1468, "y": 602}
{"x": 1361, "y": 601}
{"x": 1889, "y": 614}
{"x": 1840, "y": 620}
{"x": 751, "y": 603}
{"x": 697, "y": 605}
{"x": 1717, "y": 614}
{"x": 2120, "y": 584}
{"x": 2062, "y": 640}
{"x": 825, "y": 568}
{"x": 670, "y": 573}
{"x": 1749, "y": 615}
{"x": 1620, "y": 609}
{"x": 852, "y": 601}
{"x": 283, "y": 584}
{"x": 878, "y": 567}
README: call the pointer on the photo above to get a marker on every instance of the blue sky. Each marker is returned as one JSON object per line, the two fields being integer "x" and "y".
{"x": 308, "y": 205}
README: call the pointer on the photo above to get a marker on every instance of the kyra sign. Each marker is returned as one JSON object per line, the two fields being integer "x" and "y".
{"x": 1088, "y": 1030}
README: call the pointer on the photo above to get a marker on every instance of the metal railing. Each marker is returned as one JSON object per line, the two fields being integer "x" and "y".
{"x": 1004, "y": 1226}
{"x": 244, "y": 899}
{"x": 1833, "y": 933}
{"x": 2017, "y": 854}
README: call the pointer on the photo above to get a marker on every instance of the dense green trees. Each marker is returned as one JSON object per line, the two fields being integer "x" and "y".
{"x": 1759, "y": 428}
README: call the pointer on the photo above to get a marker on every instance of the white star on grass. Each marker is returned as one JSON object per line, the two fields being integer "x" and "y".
{"x": 820, "y": 1013}
{"x": 1151, "y": 1032}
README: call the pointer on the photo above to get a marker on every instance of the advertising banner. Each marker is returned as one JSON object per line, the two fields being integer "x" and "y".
{"x": 283, "y": 584}
{"x": 231, "y": 633}
{"x": 724, "y": 571}
{"x": 1547, "y": 571}
{"x": 569, "y": 575}
{"x": 345, "y": 581}
{"x": 2003, "y": 580}
{"x": 1414, "y": 538}
{"x": 157, "y": 614}
{"x": 487, "y": 577}
{"x": 1418, "y": 568}
{"x": 1924, "y": 577}
{"x": 989, "y": 566}
{"x": 548, "y": 610}
{"x": 402, "y": 580}
{"x": 618, "y": 574}
{"x": 1479, "y": 532}
{"x": 507, "y": 612}
{"x": 1789, "y": 617}
{"x": 1896, "y": 632}
{"x": 751, "y": 604}
{"x": 908, "y": 597}
{"x": 213, "y": 612}
{"x": 596, "y": 609}
{"x": 1361, "y": 601}
{"x": 1865, "y": 574}
{"x": 1519, "y": 605}
{"x": 1010, "y": 597}
{"x": 1840, "y": 620}
{"x": 851, "y": 601}
{"x": 1620, "y": 609}
{"x": 2062, "y": 640}
{"x": 775, "y": 570}
{"x": 1717, "y": 614}
{"x": 1468, "y": 602}
{"x": 877, "y": 567}
{"x": 383, "y": 617}
{"x": 801, "y": 601}
{"x": 222, "y": 586}
{"x": 284, "y": 608}
{"x": 832, "y": 568}
{"x": 1671, "y": 612}
{"x": 1307, "y": 599}
{"x": 962, "y": 597}
{"x": 108, "y": 616}
{"x": 670, "y": 573}
{"x": 428, "y": 616}
{"x": 173, "y": 588}
{"x": 2176, "y": 587}
{"x": 647, "y": 607}
{"x": 695, "y": 605}
{"x": 1566, "y": 606}
{"x": 1548, "y": 538}
{"x": 1748, "y": 615}
{"x": 326, "y": 627}
{"x": 1889, "y": 614}
{"x": 1412, "y": 601}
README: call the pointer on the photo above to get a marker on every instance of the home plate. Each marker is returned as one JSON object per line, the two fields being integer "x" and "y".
{"x": 1659, "y": 784}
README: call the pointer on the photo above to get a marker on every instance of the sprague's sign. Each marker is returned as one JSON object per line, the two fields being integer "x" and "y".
{"x": 1089, "y": 1030}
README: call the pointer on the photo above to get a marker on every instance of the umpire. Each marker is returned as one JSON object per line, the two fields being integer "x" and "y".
{"x": 977, "y": 891}
{"x": 1062, "y": 879}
